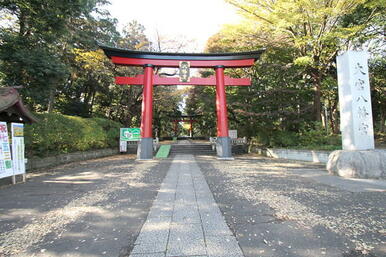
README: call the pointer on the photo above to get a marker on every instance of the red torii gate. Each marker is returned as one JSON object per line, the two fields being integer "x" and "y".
{"x": 185, "y": 118}
{"x": 184, "y": 61}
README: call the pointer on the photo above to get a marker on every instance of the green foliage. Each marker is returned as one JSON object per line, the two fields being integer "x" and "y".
{"x": 166, "y": 109}
{"x": 312, "y": 136}
{"x": 303, "y": 61}
{"x": 318, "y": 30}
{"x": 280, "y": 98}
{"x": 50, "y": 49}
{"x": 57, "y": 133}
{"x": 377, "y": 68}
{"x": 294, "y": 83}
{"x": 35, "y": 44}
{"x": 284, "y": 138}
{"x": 134, "y": 37}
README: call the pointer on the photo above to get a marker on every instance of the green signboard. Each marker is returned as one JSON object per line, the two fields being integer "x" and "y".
{"x": 130, "y": 134}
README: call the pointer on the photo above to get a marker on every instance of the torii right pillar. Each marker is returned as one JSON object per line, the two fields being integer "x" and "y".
{"x": 223, "y": 143}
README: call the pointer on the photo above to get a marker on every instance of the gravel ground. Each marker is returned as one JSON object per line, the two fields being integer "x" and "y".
{"x": 90, "y": 208}
{"x": 275, "y": 212}
{"x": 97, "y": 208}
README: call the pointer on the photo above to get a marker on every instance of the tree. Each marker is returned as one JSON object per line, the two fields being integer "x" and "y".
{"x": 201, "y": 101}
{"x": 91, "y": 91}
{"x": 280, "y": 96}
{"x": 134, "y": 37}
{"x": 34, "y": 45}
{"x": 167, "y": 100}
{"x": 314, "y": 27}
{"x": 377, "y": 68}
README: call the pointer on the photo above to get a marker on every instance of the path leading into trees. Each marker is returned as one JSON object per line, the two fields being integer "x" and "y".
{"x": 192, "y": 206}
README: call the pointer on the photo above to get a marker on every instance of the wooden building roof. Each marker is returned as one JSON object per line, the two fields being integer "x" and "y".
{"x": 12, "y": 108}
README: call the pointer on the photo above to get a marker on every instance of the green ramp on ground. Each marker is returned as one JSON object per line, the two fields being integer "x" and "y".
{"x": 163, "y": 151}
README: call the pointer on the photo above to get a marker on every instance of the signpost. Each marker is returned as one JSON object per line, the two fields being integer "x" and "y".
{"x": 233, "y": 134}
{"x": 128, "y": 134}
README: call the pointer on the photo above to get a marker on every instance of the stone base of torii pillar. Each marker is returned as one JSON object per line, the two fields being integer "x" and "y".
{"x": 224, "y": 148}
{"x": 358, "y": 159}
{"x": 145, "y": 149}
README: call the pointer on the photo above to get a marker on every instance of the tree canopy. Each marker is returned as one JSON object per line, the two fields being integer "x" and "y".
{"x": 294, "y": 85}
{"x": 50, "y": 49}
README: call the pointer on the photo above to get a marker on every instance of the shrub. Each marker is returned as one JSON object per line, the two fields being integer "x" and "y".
{"x": 261, "y": 139}
{"x": 56, "y": 133}
{"x": 284, "y": 138}
{"x": 311, "y": 136}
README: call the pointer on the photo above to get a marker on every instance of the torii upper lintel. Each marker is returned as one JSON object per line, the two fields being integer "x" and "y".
{"x": 172, "y": 60}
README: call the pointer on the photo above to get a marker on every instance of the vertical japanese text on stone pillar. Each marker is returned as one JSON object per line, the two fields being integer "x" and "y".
{"x": 355, "y": 101}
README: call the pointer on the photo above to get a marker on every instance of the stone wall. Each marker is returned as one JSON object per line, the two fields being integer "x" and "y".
{"x": 39, "y": 163}
{"x": 300, "y": 155}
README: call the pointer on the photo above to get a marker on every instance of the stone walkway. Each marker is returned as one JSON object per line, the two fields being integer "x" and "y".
{"x": 184, "y": 219}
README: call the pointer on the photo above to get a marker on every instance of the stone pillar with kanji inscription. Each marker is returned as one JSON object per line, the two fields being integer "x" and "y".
{"x": 358, "y": 157}
{"x": 355, "y": 101}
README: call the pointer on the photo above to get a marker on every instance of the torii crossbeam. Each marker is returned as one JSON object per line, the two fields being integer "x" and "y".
{"x": 184, "y": 61}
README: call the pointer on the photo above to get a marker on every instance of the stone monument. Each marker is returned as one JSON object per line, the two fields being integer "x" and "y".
{"x": 358, "y": 157}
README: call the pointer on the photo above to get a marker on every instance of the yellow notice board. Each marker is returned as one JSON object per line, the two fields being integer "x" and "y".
{"x": 18, "y": 159}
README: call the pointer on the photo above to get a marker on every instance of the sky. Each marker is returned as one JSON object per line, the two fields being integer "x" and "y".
{"x": 187, "y": 20}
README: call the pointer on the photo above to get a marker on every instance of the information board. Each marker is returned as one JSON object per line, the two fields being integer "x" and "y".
{"x": 6, "y": 169}
{"x": 233, "y": 134}
{"x": 130, "y": 134}
{"x": 18, "y": 148}
{"x": 123, "y": 146}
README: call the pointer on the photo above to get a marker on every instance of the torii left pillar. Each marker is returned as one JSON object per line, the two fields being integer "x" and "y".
{"x": 223, "y": 143}
{"x": 145, "y": 147}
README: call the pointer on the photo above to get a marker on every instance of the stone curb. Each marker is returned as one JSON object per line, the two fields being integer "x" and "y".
{"x": 291, "y": 154}
{"x": 46, "y": 162}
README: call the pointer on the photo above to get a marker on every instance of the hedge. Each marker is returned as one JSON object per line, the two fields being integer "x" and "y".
{"x": 314, "y": 138}
{"x": 56, "y": 134}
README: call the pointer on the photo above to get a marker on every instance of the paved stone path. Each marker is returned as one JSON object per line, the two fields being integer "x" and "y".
{"x": 184, "y": 219}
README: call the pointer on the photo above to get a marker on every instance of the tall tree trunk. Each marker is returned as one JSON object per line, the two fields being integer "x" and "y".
{"x": 334, "y": 124}
{"x": 90, "y": 107}
{"x": 51, "y": 99}
{"x": 316, "y": 78}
